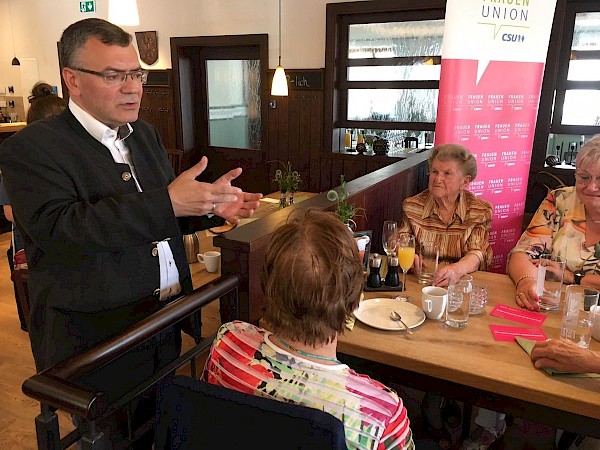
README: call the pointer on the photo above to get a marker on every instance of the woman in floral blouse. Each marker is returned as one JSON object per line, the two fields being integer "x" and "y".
{"x": 567, "y": 224}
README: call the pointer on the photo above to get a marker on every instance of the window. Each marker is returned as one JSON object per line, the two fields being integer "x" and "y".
{"x": 568, "y": 114}
{"x": 388, "y": 71}
{"x": 577, "y": 92}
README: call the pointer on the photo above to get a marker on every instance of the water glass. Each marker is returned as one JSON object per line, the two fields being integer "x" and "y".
{"x": 479, "y": 298}
{"x": 429, "y": 254}
{"x": 578, "y": 314}
{"x": 389, "y": 237}
{"x": 459, "y": 302}
{"x": 549, "y": 281}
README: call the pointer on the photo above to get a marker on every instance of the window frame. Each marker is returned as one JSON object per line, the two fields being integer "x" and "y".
{"x": 339, "y": 17}
{"x": 562, "y": 84}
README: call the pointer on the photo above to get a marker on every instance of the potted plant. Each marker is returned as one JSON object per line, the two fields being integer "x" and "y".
{"x": 288, "y": 180}
{"x": 345, "y": 211}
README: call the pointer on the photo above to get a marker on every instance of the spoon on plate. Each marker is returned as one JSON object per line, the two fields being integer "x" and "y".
{"x": 395, "y": 316}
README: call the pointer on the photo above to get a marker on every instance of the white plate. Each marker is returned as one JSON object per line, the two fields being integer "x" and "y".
{"x": 376, "y": 313}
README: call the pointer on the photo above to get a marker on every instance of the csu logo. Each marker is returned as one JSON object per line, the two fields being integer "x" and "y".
{"x": 509, "y": 37}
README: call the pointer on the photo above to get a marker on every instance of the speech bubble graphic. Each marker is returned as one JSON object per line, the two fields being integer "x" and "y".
{"x": 482, "y": 64}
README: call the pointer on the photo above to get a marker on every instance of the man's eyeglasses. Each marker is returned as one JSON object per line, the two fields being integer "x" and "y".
{"x": 117, "y": 78}
{"x": 584, "y": 180}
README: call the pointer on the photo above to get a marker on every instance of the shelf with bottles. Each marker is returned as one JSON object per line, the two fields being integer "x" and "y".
{"x": 562, "y": 149}
{"x": 398, "y": 142}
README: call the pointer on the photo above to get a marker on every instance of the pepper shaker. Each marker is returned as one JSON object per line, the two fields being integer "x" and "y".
{"x": 374, "y": 278}
{"x": 392, "y": 277}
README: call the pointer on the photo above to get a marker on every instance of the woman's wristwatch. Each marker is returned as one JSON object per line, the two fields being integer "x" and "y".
{"x": 578, "y": 276}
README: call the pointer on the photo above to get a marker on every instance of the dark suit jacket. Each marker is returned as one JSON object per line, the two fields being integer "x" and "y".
{"x": 90, "y": 236}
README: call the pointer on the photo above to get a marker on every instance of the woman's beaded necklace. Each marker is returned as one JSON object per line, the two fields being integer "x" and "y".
{"x": 310, "y": 355}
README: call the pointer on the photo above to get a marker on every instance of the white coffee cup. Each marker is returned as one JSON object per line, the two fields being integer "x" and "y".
{"x": 434, "y": 301}
{"x": 212, "y": 260}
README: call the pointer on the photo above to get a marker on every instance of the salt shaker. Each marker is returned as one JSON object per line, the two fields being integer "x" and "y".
{"x": 392, "y": 278}
{"x": 374, "y": 278}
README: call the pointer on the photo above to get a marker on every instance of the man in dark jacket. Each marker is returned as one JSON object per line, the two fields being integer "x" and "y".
{"x": 101, "y": 211}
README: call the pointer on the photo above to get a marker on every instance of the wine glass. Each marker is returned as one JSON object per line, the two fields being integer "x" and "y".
{"x": 406, "y": 254}
{"x": 389, "y": 237}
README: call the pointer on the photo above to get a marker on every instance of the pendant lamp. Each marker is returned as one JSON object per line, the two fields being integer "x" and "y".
{"x": 279, "y": 86}
{"x": 15, "y": 60}
{"x": 123, "y": 12}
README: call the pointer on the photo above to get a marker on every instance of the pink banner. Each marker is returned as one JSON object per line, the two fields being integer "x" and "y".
{"x": 492, "y": 68}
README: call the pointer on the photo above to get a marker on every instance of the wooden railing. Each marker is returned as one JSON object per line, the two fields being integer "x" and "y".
{"x": 57, "y": 387}
{"x": 380, "y": 193}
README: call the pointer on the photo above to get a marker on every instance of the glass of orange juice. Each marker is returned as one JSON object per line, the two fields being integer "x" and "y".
{"x": 406, "y": 254}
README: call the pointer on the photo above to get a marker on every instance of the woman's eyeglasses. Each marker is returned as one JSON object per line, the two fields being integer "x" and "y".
{"x": 584, "y": 180}
{"x": 117, "y": 78}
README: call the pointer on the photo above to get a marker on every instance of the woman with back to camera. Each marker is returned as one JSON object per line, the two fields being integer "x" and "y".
{"x": 312, "y": 281}
{"x": 566, "y": 224}
{"x": 44, "y": 103}
{"x": 449, "y": 215}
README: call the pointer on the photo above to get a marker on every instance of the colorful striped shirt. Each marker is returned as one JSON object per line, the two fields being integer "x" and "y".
{"x": 467, "y": 233}
{"x": 243, "y": 358}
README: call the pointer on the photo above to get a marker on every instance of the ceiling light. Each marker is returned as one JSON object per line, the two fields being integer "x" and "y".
{"x": 279, "y": 86}
{"x": 123, "y": 12}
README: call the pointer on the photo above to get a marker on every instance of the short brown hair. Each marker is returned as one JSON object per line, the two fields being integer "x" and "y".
{"x": 77, "y": 34}
{"x": 312, "y": 278}
{"x": 458, "y": 153}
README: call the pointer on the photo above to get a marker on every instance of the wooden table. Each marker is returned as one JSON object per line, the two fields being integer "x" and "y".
{"x": 470, "y": 365}
{"x": 200, "y": 276}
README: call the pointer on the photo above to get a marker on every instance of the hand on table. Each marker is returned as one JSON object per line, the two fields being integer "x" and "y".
{"x": 564, "y": 356}
{"x": 526, "y": 296}
{"x": 194, "y": 198}
{"x": 447, "y": 275}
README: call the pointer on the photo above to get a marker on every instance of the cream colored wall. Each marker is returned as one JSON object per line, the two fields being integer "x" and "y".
{"x": 37, "y": 30}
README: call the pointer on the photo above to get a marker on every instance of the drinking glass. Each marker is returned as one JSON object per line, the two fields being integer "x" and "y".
{"x": 429, "y": 254}
{"x": 389, "y": 237}
{"x": 459, "y": 302}
{"x": 549, "y": 279}
{"x": 406, "y": 254}
{"x": 580, "y": 304}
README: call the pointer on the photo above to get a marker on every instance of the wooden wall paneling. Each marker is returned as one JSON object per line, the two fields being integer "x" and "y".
{"x": 325, "y": 172}
{"x": 316, "y": 141}
{"x": 283, "y": 130}
{"x": 292, "y": 145}
{"x": 354, "y": 168}
{"x": 304, "y": 138}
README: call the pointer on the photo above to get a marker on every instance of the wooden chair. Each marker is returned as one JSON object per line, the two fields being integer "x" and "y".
{"x": 20, "y": 277}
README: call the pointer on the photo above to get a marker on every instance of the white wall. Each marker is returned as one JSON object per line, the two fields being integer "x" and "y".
{"x": 37, "y": 30}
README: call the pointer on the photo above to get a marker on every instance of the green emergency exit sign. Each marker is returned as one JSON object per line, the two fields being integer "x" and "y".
{"x": 86, "y": 7}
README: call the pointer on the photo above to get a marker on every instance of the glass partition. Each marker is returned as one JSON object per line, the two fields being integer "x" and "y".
{"x": 234, "y": 103}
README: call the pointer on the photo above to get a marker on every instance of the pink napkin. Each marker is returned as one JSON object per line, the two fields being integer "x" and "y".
{"x": 518, "y": 315}
{"x": 504, "y": 333}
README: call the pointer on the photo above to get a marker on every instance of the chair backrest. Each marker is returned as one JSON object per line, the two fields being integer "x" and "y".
{"x": 196, "y": 415}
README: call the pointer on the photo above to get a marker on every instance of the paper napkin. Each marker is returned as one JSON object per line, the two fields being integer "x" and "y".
{"x": 518, "y": 315}
{"x": 508, "y": 334}
{"x": 528, "y": 344}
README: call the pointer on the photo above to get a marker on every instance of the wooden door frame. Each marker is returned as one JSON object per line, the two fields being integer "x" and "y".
{"x": 179, "y": 52}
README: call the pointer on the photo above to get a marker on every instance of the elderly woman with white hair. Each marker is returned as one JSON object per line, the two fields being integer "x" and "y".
{"x": 567, "y": 224}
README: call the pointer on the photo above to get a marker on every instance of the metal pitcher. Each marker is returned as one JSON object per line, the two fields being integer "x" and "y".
{"x": 191, "y": 244}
